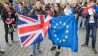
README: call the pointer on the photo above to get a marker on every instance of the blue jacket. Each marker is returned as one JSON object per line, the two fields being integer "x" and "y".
{"x": 87, "y": 16}
{"x": 96, "y": 8}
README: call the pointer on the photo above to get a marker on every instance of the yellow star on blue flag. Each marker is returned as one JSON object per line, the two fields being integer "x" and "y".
{"x": 63, "y": 32}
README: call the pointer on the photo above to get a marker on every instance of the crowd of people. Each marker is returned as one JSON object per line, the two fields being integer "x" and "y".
{"x": 9, "y": 12}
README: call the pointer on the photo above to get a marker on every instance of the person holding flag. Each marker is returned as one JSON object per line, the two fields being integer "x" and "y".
{"x": 37, "y": 11}
{"x": 59, "y": 13}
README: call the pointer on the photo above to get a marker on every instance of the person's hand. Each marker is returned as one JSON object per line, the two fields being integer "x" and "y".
{"x": 94, "y": 11}
{"x": 17, "y": 14}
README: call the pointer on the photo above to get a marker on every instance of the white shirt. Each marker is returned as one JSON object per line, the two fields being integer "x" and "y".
{"x": 90, "y": 11}
{"x": 91, "y": 20}
{"x": 67, "y": 11}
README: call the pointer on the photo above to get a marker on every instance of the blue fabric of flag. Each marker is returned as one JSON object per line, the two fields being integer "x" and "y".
{"x": 63, "y": 32}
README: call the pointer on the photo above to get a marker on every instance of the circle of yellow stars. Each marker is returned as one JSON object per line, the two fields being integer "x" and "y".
{"x": 67, "y": 31}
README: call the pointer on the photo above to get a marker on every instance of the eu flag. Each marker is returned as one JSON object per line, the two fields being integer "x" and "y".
{"x": 63, "y": 32}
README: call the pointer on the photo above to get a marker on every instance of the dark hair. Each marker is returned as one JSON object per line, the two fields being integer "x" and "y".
{"x": 97, "y": 4}
{"x": 77, "y": 5}
{"x": 47, "y": 7}
{"x": 20, "y": 3}
{"x": 38, "y": 0}
{"x": 93, "y": 1}
{"x": 41, "y": 11}
{"x": 24, "y": 2}
{"x": 7, "y": 3}
{"x": 1, "y": 4}
{"x": 66, "y": 4}
{"x": 80, "y": 3}
{"x": 85, "y": 4}
{"x": 58, "y": 5}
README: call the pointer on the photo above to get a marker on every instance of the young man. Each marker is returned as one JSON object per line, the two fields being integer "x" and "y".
{"x": 37, "y": 11}
{"x": 91, "y": 25}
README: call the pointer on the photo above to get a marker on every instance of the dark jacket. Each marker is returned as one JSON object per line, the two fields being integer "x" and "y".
{"x": 80, "y": 10}
{"x": 61, "y": 13}
{"x": 34, "y": 12}
{"x": 23, "y": 12}
{"x": 38, "y": 11}
{"x": 87, "y": 16}
{"x": 4, "y": 13}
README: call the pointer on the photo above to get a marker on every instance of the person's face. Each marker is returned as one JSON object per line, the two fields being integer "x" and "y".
{"x": 24, "y": 4}
{"x": 67, "y": 6}
{"x": 56, "y": 7}
{"x": 38, "y": 4}
{"x": 74, "y": 5}
{"x": 6, "y": 5}
{"x": 20, "y": 6}
{"x": 92, "y": 3}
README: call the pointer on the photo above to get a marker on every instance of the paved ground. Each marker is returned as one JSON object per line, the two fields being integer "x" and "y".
{"x": 16, "y": 50}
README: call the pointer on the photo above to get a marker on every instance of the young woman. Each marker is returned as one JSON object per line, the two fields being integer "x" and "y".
{"x": 7, "y": 15}
{"x": 57, "y": 12}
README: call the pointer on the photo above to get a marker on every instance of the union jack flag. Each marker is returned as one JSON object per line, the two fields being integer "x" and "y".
{"x": 31, "y": 31}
